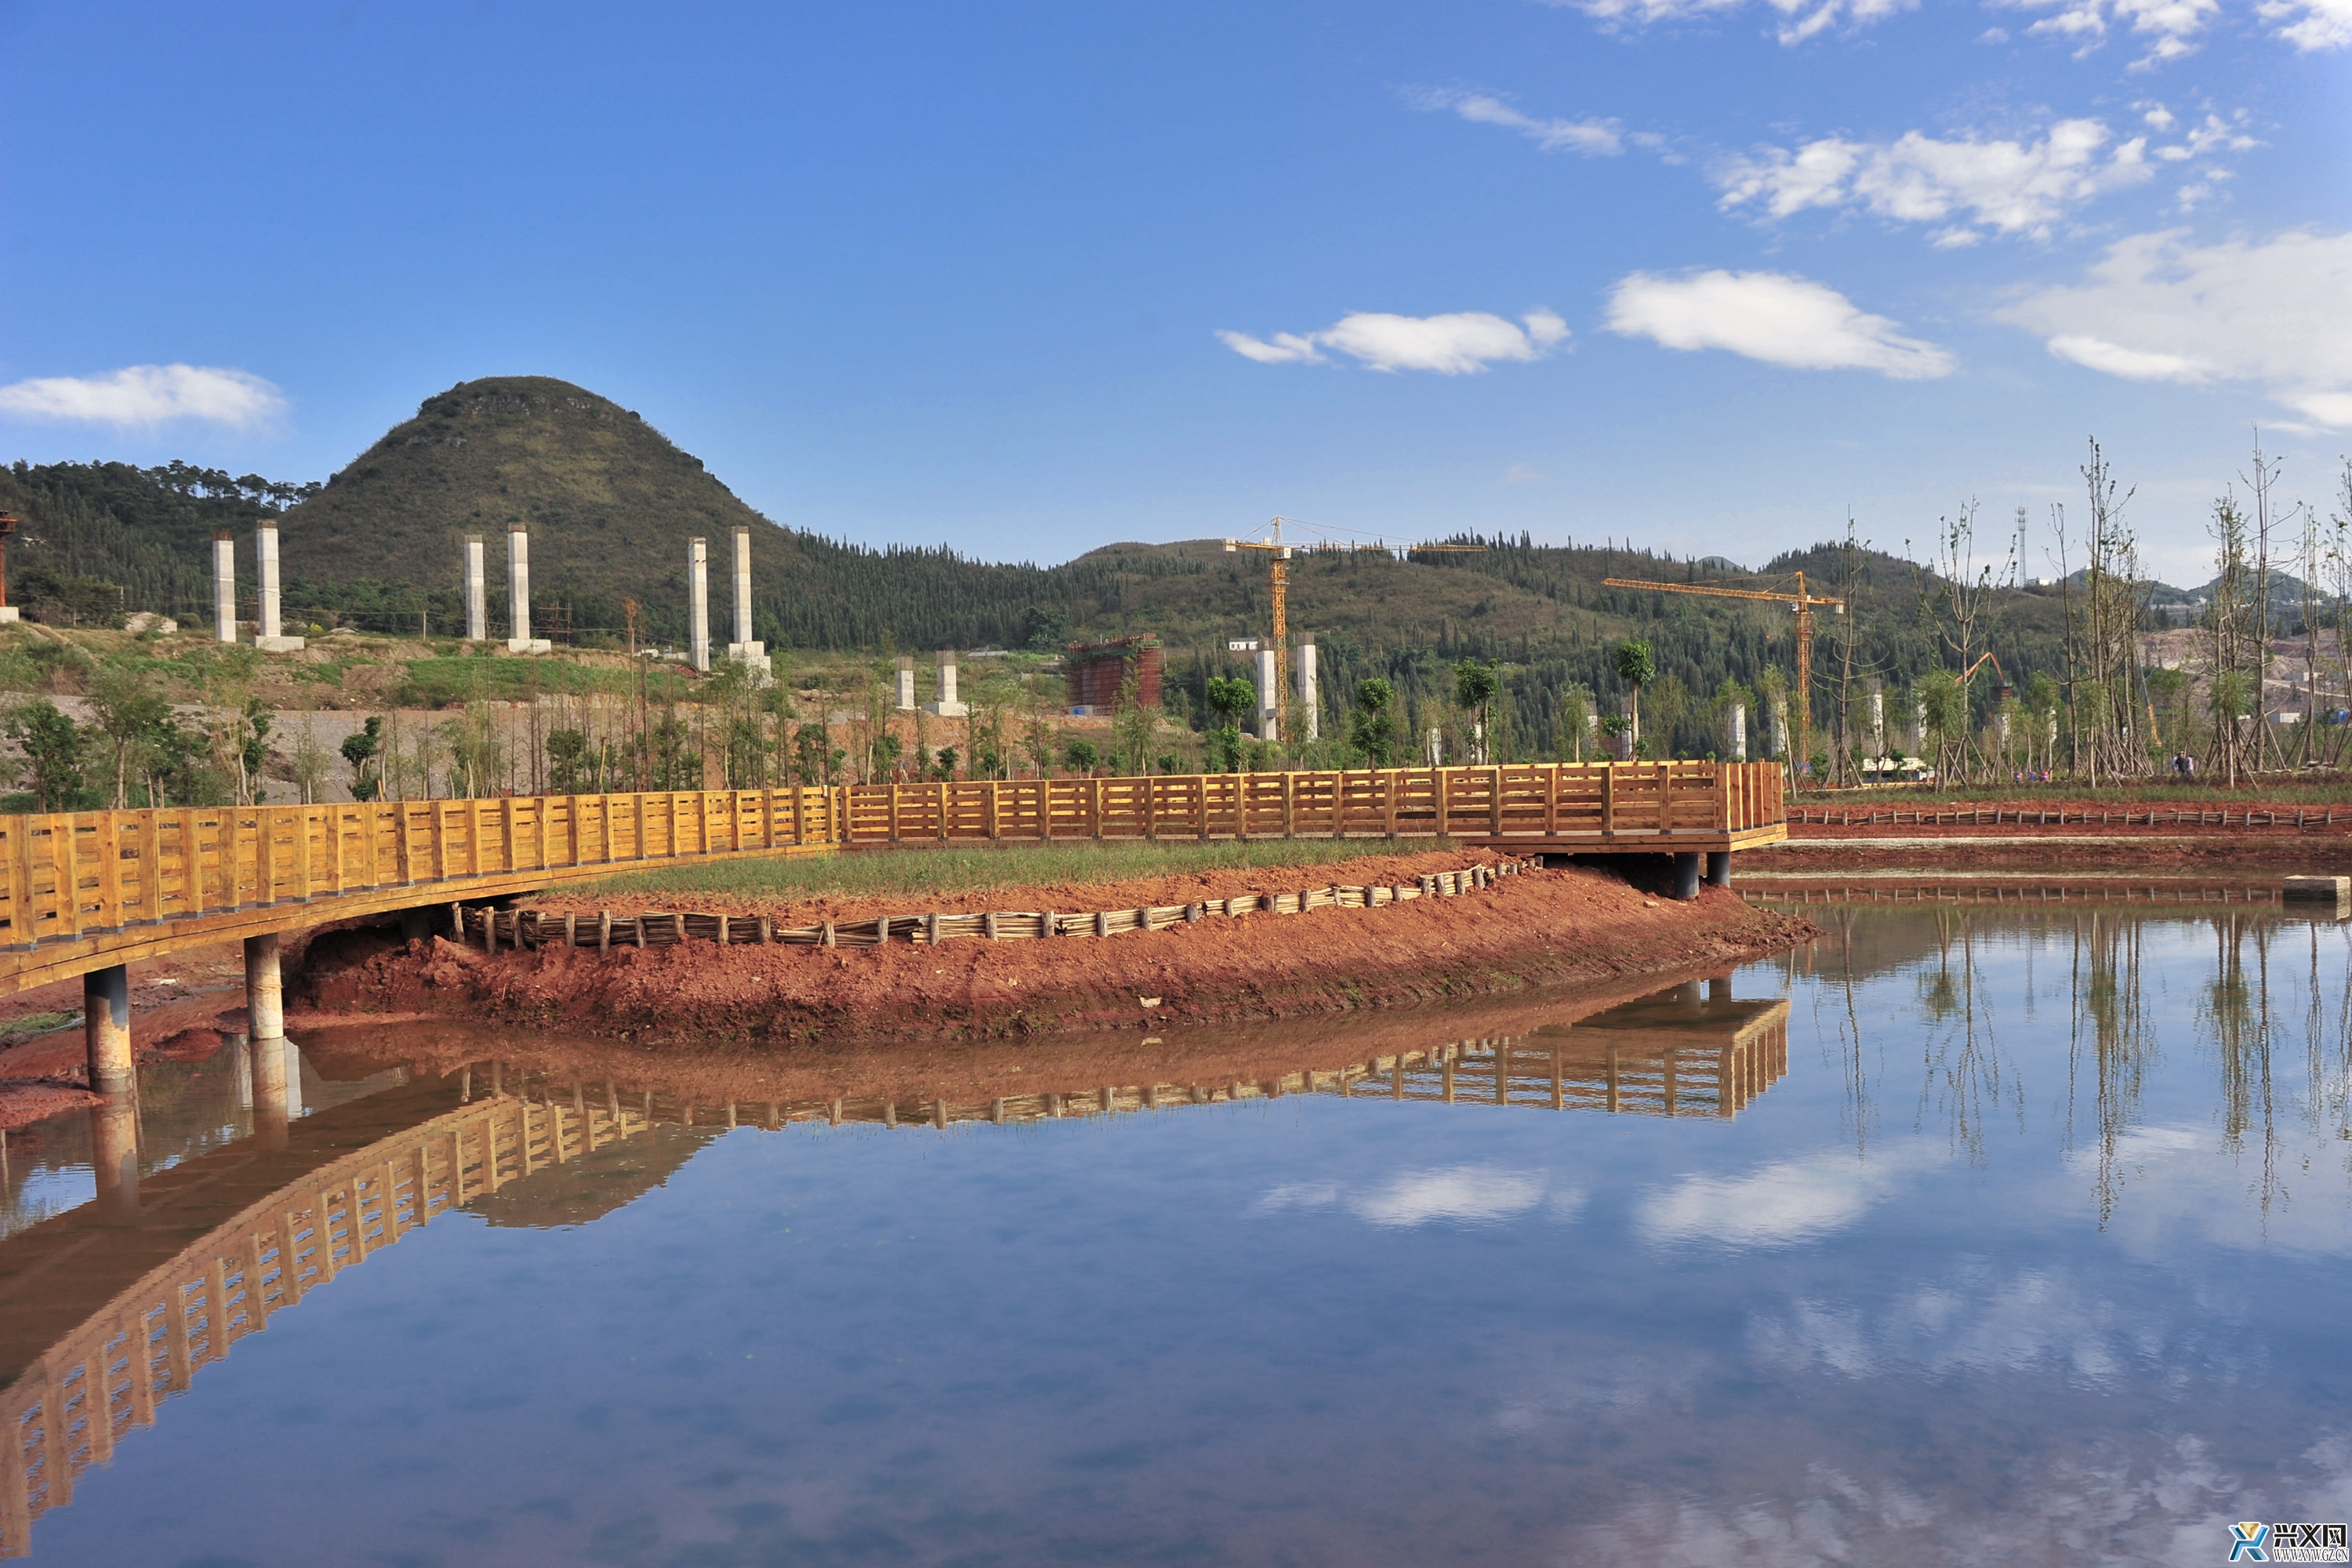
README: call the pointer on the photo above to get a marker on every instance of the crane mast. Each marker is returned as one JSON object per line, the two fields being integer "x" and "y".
{"x": 1803, "y": 603}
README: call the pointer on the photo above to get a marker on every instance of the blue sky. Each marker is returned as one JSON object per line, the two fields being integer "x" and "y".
{"x": 1032, "y": 278}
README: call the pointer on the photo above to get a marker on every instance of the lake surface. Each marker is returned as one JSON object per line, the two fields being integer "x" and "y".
{"x": 2020, "y": 1233}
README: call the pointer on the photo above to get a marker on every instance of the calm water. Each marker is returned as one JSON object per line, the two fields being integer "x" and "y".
{"x": 2035, "y": 1248}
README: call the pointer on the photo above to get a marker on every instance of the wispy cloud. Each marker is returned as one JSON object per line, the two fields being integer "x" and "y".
{"x": 2310, "y": 25}
{"x": 1593, "y": 138}
{"x": 147, "y": 395}
{"x": 2170, "y": 28}
{"x": 1773, "y": 316}
{"x": 1779, "y": 1205}
{"x": 1460, "y": 1195}
{"x": 1968, "y": 185}
{"x": 1458, "y": 345}
{"x": 1798, "y": 19}
{"x": 2158, "y": 309}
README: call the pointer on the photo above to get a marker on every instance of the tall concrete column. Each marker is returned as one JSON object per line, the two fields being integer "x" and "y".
{"x": 906, "y": 694}
{"x": 948, "y": 706}
{"x": 477, "y": 591}
{"x": 743, "y": 586}
{"x": 106, "y": 1028}
{"x": 1877, "y": 720}
{"x": 265, "y": 991}
{"x": 270, "y": 637}
{"x": 697, "y": 568}
{"x": 265, "y": 562}
{"x": 1739, "y": 732}
{"x": 1310, "y": 723}
{"x": 114, "y": 1157}
{"x": 274, "y": 1079}
{"x": 1268, "y": 673}
{"x": 225, "y": 585}
{"x": 519, "y": 639}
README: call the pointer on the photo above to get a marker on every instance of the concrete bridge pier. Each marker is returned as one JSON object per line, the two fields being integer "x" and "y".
{"x": 1687, "y": 873}
{"x": 264, "y": 990}
{"x": 114, "y": 1156}
{"x": 275, "y": 1063}
{"x": 1718, "y": 867}
{"x": 106, "y": 1030}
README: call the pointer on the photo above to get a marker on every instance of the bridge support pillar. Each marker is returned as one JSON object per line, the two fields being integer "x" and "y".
{"x": 264, "y": 990}
{"x": 1687, "y": 874}
{"x": 114, "y": 1157}
{"x": 106, "y": 1028}
{"x": 1718, "y": 867}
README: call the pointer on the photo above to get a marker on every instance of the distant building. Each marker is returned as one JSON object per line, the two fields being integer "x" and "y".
{"x": 1095, "y": 672}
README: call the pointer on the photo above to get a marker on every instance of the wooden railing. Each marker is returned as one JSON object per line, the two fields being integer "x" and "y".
{"x": 94, "y": 888}
{"x": 1602, "y": 802}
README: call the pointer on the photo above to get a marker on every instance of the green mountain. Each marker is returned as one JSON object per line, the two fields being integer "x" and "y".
{"x": 611, "y": 503}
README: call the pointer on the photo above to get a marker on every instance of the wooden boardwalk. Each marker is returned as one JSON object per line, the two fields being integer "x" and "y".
{"x": 89, "y": 890}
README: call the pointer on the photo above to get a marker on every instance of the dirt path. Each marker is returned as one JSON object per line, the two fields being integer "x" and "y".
{"x": 1577, "y": 925}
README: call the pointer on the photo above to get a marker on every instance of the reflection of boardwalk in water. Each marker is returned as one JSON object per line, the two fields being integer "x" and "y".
{"x": 75, "y": 1392}
{"x": 111, "y": 1308}
{"x": 1680, "y": 1053}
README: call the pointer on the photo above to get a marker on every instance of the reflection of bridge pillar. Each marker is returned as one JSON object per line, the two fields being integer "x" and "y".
{"x": 106, "y": 1027}
{"x": 265, "y": 989}
{"x": 274, "y": 1067}
{"x": 114, "y": 1157}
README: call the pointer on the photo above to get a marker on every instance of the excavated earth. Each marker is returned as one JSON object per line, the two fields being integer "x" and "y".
{"x": 1578, "y": 924}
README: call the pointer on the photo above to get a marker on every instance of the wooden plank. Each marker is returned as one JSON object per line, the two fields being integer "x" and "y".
{"x": 109, "y": 870}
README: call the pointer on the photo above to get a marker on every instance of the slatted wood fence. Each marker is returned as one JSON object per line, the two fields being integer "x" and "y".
{"x": 81, "y": 890}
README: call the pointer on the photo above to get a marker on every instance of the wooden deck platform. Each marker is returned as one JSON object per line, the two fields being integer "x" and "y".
{"x": 89, "y": 890}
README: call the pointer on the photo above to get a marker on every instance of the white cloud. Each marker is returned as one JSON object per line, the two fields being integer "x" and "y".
{"x": 1799, "y": 19}
{"x": 147, "y": 395}
{"x": 2011, "y": 187}
{"x": 2159, "y": 309}
{"x": 1777, "y": 1205}
{"x": 2310, "y": 25}
{"x": 1773, "y": 316}
{"x": 1474, "y": 1195}
{"x": 1457, "y": 344}
{"x": 1593, "y": 138}
{"x": 2169, "y": 27}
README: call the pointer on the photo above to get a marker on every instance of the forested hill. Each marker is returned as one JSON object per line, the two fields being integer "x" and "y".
{"x": 611, "y": 504}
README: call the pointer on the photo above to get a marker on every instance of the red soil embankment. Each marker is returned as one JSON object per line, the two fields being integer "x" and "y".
{"x": 1574, "y": 924}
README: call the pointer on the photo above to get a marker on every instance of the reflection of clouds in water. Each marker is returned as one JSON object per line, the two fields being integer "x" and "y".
{"x": 1775, "y": 1206}
{"x": 2173, "y": 1506}
{"x": 1973, "y": 1323}
{"x": 1473, "y": 1195}
{"x": 2178, "y": 1187}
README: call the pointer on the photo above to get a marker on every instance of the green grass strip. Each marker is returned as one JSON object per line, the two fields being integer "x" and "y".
{"x": 971, "y": 869}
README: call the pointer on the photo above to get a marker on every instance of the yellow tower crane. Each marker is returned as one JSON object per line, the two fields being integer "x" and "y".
{"x": 1803, "y": 603}
{"x": 1278, "y": 559}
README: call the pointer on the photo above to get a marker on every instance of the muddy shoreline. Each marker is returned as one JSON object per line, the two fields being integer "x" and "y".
{"x": 1572, "y": 925}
